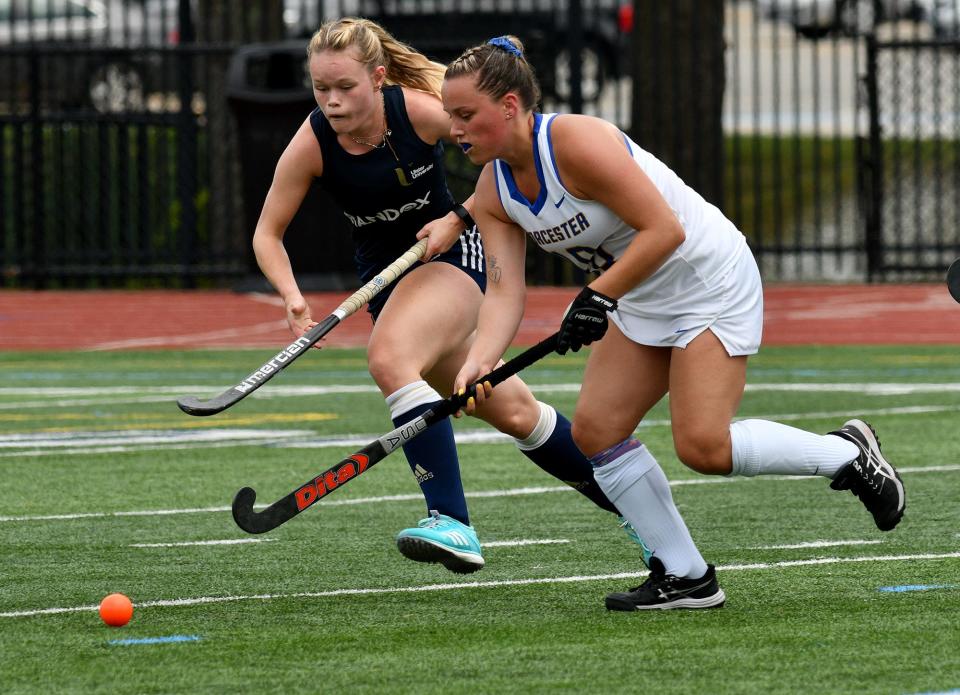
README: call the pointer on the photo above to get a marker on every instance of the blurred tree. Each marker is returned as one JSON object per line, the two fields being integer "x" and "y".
{"x": 678, "y": 83}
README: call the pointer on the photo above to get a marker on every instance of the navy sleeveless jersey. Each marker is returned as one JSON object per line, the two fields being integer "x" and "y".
{"x": 387, "y": 194}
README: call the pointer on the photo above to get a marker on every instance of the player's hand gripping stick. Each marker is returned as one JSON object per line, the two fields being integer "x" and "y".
{"x": 585, "y": 320}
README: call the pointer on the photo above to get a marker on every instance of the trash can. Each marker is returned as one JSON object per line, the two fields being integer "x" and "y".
{"x": 268, "y": 89}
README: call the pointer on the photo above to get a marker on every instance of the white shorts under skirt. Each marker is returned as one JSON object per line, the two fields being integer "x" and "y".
{"x": 730, "y": 305}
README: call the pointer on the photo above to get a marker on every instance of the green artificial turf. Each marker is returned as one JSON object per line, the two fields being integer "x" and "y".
{"x": 325, "y": 603}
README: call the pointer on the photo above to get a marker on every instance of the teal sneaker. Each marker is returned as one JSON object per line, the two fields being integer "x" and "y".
{"x": 443, "y": 539}
{"x": 632, "y": 534}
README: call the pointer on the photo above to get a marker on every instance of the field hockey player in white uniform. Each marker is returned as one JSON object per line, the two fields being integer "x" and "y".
{"x": 374, "y": 142}
{"x": 676, "y": 308}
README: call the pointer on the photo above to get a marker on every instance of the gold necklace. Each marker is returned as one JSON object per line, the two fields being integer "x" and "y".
{"x": 384, "y": 143}
{"x": 401, "y": 171}
{"x": 366, "y": 141}
{"x": 386, "y": 132}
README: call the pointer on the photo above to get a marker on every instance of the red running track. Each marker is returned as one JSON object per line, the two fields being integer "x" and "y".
{"x": 157, "y": 319}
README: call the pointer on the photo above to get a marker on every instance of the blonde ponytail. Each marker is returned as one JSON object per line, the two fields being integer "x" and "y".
{"x": 405, "y": 66}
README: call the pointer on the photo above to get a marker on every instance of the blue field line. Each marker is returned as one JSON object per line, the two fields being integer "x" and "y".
{"x": 915, "y": 587}
{"x": 170, "y": 639}
{"x": 940, "y": 692}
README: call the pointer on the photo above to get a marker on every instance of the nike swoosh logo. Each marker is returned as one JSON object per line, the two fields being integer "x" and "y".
{"x": 671, "y": 593}
{"x": 560, "y": 202}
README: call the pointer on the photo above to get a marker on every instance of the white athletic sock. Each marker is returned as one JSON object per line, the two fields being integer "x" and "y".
{"x": 408, "y": 397}
{"x": 761, "y": 447}
{"x": 634, "y": 481}
{"x": 541, "y": 431}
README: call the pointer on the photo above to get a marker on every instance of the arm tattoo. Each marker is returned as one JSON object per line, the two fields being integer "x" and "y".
{"x": 493, "y": 269}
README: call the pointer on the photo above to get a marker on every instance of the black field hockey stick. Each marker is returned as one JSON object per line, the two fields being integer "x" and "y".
{"x": 194, "y": 406}
{"x": 953, "y": 280}
{"x": 349, "y": 468}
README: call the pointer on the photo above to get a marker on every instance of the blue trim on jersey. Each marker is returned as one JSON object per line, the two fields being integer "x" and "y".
{"x": 553, "y": 159}
{"x": 626, "y": 141}
{"x": 537, "y": 205}
{"x": 496, "y": 179}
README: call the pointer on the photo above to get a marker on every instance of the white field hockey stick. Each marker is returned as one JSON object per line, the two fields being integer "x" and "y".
{"x": 195, "y": 406}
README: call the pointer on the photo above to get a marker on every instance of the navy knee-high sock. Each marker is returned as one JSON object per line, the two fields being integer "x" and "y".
{"x": 551, "y": 447}
{"x": 432, "y": 455}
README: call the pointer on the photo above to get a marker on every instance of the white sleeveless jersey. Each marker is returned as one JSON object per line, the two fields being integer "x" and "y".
{"x": 593, "y": 237}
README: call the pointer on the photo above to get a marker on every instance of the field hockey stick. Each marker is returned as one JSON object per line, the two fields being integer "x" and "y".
{"x": 194, "y": 406}
{"x": 349, "y": 468}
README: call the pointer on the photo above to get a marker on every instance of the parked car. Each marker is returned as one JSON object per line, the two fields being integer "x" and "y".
{"x": 108, "y": 54}
{"x": 443, "y": 28}
{"x": 64, "y": 53}
{"x": 814, "y": 19}
{"x": 943, "y": 16}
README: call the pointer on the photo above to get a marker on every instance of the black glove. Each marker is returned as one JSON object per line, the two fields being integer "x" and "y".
{"x": 585, "y": 320}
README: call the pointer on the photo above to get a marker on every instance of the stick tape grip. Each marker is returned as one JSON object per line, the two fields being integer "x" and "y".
{"x": 383, "y": 278}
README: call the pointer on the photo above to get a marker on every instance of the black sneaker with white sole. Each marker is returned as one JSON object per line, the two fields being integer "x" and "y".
{"x": 871, "y": 477}
{"x": 665, "y": 591}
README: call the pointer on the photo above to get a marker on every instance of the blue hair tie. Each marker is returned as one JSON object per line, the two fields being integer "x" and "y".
{"x": 507, "y": 45}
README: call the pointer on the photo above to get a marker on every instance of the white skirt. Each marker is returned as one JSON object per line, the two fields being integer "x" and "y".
{"x": 730, "y": 304}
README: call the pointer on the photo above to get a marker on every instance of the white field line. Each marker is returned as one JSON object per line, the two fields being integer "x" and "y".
{"x": 77, "y": 402}
{"x": 22, "y": 442}
{"x": 81, "y": 395}
{"x": 183, "y": 389}
{"x": 493, "y": 437}
{"x": 482, "y": 585}
{"x": 511, "y": 492}
{"x": 230, "y": 541}
{"x": 33, "y": 453}
{"x": 235, "y": 332}
{"x": 866, "y": 388}
{"x": 817, "y": 415}
{"x": 75, "y": 391}
{"x": 239, "y": 541}
{"x": 516, "y": 544}
{"x": 812, "y": 544}
{"x": 326, "y": 503}
{"x": 265, "y": 298}
{"x": 62, "y": 440}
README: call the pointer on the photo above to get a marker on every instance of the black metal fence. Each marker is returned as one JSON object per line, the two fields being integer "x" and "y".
{"x": 118, "y": 160}
{"x": 841, "y": 135}
{"x": 911, "y": 159}
{"x": 121, "y": 151}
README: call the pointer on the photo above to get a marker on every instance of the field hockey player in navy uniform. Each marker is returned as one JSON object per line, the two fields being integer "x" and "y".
{"x": 375, "y": 143}
{"x": 675, "y": 279}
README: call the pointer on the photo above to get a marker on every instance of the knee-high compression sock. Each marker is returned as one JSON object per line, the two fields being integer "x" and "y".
{"x": 551, "y": 447}
{"x": 761, "y": 447}
{"x": 633, "y": 480}
{"x": 432, "y": 455}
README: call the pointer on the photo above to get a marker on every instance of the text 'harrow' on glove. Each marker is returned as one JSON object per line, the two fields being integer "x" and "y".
{"x": 585, "y": 320}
